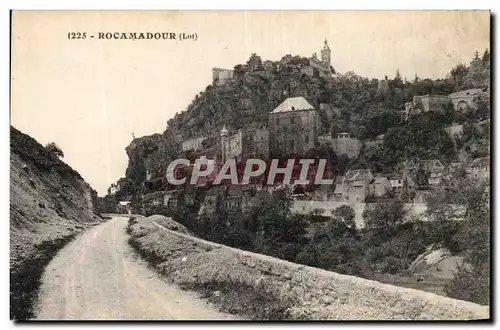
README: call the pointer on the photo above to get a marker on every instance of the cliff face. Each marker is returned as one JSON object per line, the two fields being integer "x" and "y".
{"x": 49, "y": 203}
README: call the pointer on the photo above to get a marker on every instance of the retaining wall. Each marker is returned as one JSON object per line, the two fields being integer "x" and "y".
{"x": 309, "y": 293}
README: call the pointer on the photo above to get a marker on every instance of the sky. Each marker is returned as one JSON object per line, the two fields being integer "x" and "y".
{"x": 90, "y": 95}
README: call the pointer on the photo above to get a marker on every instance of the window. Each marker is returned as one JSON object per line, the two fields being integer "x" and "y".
{"x": 292, "y": 120}
{"x": 399, "y": 181}
{"x": 277, "y": 121}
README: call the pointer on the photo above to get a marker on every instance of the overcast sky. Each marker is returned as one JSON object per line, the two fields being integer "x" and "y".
{"x": 90, "y": 95}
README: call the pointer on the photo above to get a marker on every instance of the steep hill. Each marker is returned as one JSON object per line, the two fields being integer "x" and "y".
{"x": 49, "y": 204}
{"x": 356, "y": 105}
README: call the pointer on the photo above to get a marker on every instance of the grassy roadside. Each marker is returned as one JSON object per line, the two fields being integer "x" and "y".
{"x": 25, "y": 280}
{"x": 230, "y": 295}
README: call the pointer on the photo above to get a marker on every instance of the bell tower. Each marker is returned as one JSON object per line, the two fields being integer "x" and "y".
{"x": 224, "y": 144}
{"x": 326, "y": 53}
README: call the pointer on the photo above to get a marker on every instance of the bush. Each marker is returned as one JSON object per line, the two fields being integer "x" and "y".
{"x": 471, "y": 285}
{"x": 54, "y": 149}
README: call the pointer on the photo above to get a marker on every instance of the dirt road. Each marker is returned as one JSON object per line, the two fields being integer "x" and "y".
{"x": 97, "y": 277}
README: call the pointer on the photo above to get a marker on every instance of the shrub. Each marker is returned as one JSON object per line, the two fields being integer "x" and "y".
{"x": 54, "y": 149}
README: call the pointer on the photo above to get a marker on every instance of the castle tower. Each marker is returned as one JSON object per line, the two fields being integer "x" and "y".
{"x": 326, "y": 53}
{"x": 223, "y": 135}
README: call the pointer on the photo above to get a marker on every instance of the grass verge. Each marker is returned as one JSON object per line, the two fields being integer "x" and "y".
{"x": 25, "y": 280}
{"x": 231, "y": 296}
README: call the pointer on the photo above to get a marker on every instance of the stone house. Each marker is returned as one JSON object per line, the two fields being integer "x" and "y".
{"x": 426, "y": 103}
{"x": 480, "y": 168}
{"x": 380, "y": 186}
{"x": 193, "y": 144}
{"x": 450, "y": 173}
{"x": 378, "y": 142}
{"x": 340, "y": 188}
{"x": 396, "y": 183}
{"x": 233, "y": 199}
{"x": 255, "y": 141}
{"x": 358, "y": 185}
{"x": 435, "y": 169}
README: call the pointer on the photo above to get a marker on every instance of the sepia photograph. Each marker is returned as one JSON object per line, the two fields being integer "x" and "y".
{"x": 250, "y": 165}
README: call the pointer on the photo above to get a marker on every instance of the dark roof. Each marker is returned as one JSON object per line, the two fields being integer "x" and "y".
{"x": 430, "y": 164}
{"x": 361, "y": 174}
{"x": 480, "y": 162}
{"x": 409, "y": 164}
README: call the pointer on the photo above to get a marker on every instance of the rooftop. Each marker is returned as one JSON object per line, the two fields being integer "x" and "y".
{"x": 361, "y": 174}
{"x": 431, "y": 164}
{"x": 466, "y": 92}
{"x": 293, "y": 104}
{"x": 480, "y": 162}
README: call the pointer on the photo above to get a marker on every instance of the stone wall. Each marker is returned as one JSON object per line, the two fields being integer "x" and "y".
{"x": 328, "y": 206}
{"x": 308, "y": 293}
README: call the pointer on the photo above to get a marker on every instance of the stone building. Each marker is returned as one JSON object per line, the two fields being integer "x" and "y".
{"x": 344, "y": 144}
{"x": 480, "y": 168}
{"x": 221, "y": 76}
{"x": 293, "y": 127}
{"x": 380, "y": 186}
{"x": 465, "y": 99}
{"x": 323, "y": 65}
{"x": 255, "y": 141}
{"x": 251, "y": 141}
{"x": 426, "y": 103}
{"x": 357, "y": 185}
{"x": 232, "y": 146}
{"x": 435, "y": 169}
{"x": 193, "y": 144}
{"x": 340, "y": 188}
{"x": 378, "y": 142}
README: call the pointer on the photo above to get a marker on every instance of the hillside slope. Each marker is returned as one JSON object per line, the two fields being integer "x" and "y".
{"x": 49, "y": 204}
{"x": 353, "y": 104}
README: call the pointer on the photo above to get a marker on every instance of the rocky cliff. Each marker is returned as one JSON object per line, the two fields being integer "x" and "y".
{"x": 351, "y": 103}
{"x": 49, "y": 204}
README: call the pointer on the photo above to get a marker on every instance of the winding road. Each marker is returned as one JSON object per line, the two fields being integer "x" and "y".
{"x": 97, "y": 277}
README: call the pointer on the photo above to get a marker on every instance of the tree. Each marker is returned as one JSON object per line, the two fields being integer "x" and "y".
{"x": 472, "y": 281}
{"x": 458, "y": 75}
{"x": 486, "y": 56}
{"x": 54, "y": 149}
{"x": 254, "y": 63}
{"x": 398, "y": 82}
{"x": 347, "y": 215}
{"x": 384, "y": 218}
{"x": 239, "y": 70}
{"x": 422, "y": 177}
